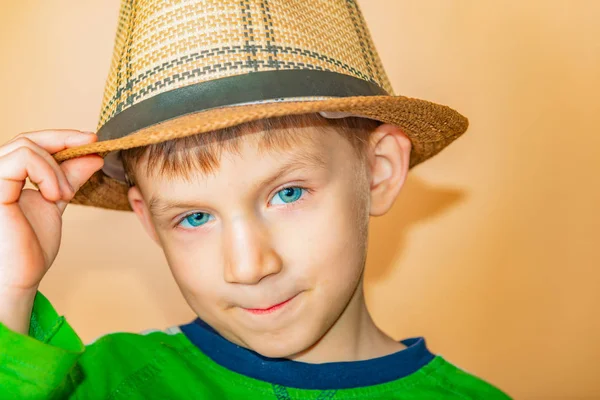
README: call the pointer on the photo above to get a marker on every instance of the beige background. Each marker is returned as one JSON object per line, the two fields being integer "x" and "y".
{"x": 491, "y": 251}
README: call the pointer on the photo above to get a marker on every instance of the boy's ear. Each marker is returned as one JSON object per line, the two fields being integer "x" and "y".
{"x": 389, "y": 159}
{"x": 139, "y": 208}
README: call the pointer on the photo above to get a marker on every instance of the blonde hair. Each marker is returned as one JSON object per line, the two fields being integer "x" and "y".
{"x": 180, "y": 157}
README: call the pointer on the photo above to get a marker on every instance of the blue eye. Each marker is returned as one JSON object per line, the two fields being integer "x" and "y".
{"x": 289, "y": 195}
{"x": 194, "y": 220}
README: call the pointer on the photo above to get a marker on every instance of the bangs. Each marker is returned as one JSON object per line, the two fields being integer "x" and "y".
{"x": 181, "y": 158}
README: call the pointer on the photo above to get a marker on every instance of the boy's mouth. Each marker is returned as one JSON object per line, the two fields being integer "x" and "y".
{"x": 271, "y": 309}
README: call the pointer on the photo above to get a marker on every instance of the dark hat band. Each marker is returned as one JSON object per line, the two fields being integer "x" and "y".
{"x": 255, "y": 87}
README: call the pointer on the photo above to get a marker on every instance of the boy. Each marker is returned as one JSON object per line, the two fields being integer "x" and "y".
{"x": 256, "y": 173}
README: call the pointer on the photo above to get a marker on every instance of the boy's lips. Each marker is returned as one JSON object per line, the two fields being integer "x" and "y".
{"x": 270, "y": 309}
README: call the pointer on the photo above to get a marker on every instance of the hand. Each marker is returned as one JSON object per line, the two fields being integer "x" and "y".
{"x": 31, "y": 220}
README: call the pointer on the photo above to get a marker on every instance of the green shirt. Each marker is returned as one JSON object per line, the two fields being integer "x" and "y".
{"x": 53, "y": 363}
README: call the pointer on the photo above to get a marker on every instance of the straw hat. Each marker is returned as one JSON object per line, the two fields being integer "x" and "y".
{"x": 183, "y": 67}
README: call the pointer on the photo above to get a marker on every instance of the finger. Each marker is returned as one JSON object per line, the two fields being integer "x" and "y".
{"x": 23, "y": 141}
{"x": 78, "y": 171}
{"x": 22, "y": 163}
{"x": 56, "y": 140}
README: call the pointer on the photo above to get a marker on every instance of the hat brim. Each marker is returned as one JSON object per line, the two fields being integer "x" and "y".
{"x": 431, "y": 127}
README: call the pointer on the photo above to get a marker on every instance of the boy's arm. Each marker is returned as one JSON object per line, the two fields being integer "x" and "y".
{"x": 44, "y": 364}
{"x": 15, "y": 309}
{"x": 41, "y": 366}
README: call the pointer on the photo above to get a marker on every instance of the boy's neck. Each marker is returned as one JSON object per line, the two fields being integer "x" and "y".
{"x": 353, "y": 337}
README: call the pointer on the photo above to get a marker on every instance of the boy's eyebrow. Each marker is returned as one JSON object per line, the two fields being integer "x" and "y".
{"x": 300, "y": 160}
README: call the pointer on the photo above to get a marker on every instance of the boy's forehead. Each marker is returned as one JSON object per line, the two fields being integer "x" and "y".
{"x": 255, "y": 152}
{"x": 275, "y": 160}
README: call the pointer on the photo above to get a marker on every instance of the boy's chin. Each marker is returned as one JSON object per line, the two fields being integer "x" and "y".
{"x": 291, "y": 346}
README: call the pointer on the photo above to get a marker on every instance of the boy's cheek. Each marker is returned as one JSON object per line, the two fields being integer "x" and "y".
{"x": 193, "y": 269}
{"x": 201, "y": 289}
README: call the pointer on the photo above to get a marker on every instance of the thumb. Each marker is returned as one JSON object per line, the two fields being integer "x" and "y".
{"x": 78, "y": 171}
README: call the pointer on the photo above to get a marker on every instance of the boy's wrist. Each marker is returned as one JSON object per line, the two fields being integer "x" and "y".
{"x": 16, "y": 306}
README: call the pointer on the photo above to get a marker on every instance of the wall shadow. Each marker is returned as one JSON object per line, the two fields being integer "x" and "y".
{"x": 418, "y": 202}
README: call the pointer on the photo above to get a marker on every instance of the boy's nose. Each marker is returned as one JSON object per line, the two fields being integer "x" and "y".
{"x": 249, "y": 254}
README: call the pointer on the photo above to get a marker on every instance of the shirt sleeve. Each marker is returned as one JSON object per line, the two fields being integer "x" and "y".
{"x": 44, "y": 364}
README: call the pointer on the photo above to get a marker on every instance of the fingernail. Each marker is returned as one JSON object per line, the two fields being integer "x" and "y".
{"x": 89, "y": 132}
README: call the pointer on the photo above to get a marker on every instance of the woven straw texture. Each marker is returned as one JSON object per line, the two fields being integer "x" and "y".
{"x": 165, "y": 45}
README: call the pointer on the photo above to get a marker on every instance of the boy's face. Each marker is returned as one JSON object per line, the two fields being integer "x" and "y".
{"x": 270, "y": 249}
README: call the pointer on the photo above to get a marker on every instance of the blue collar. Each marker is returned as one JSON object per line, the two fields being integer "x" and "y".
{"x": 281, "y": 371}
